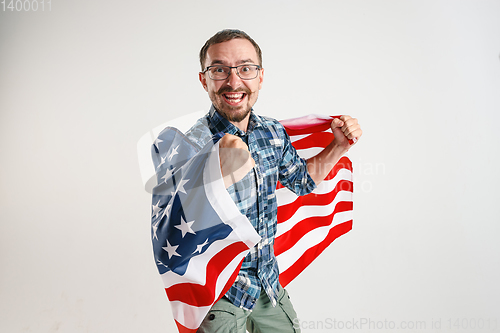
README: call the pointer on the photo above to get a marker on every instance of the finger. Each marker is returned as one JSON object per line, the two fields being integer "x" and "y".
{"x": 336, "y": 123}
{"x": 354, "y": 134}
{"x": 351, "y": 122}
{"x": 226, "y": 140}
{"x": 357, "y": 133}
{"x": 238, "y": 143}
{"x": 345, "y": 117}
{"x": 235, "y": 164}
{"x": 233, "y": 141}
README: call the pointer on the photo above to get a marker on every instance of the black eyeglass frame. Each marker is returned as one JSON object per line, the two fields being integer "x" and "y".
{"x": 230, "y": 70}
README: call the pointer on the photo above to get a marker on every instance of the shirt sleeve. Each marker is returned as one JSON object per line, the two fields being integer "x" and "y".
{"x": 199, "y": 133}
{"x": 293, "y": 172}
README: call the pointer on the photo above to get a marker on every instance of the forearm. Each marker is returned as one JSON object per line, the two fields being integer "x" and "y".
{"x": 320, "y": 165}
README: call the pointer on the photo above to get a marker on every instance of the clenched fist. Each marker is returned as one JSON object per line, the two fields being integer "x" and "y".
{"x": 346, "y": 131}
{"x": 235, "y": 159}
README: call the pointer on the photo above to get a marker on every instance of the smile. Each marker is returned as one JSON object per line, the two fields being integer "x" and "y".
{"x": 234, "y": 98}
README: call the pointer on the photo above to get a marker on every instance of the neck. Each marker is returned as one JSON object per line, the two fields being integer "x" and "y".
{"x": 242, "y": 125}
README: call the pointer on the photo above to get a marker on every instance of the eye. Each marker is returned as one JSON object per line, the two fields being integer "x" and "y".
{"x": 219, "y": 69}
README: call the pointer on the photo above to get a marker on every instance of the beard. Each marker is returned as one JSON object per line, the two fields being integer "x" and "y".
{"x": 232, "y": 113}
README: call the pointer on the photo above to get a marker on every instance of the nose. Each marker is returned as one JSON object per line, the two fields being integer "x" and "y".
{"x": 233, "y": 80}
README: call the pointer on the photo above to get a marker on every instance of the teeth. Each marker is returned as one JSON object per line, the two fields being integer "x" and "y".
{"x": 235, "y": 98}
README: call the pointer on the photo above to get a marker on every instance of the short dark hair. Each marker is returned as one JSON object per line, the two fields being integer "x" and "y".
{"x": 224, "y": 36}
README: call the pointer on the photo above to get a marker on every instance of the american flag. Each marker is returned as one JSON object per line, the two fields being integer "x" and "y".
{"x": 199, "y": 236}
{"x": 308, "y": 224}
{"x": 199, "y": 241}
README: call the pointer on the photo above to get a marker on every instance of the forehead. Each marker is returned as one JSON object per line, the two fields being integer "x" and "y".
{"x": 233, "y": 52}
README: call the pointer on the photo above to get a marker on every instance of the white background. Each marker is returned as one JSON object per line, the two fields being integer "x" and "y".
{"x": 81, "y": 83}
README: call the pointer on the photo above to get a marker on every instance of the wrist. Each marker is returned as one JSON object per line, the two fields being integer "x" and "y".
{"x": 337, "y": 149}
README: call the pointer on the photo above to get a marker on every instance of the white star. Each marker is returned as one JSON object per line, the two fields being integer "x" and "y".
{"x": 162, "y": 162}
{"x": 173, "y": 153}
{"x": 155, "y": 228}
{"x": 165, "y": 213}
{"x": 169, "y": 207}
{"x": 200, "y": 247}
{"x": 168, "y": 174}
{"x": 158, "y": 262}
{"x": 157, "y": 141}
{"x": 185, "y": 227}
{"x": 171, "y": 250}
{"x": 156, "y": 209}
{"x": 180, "y": 187}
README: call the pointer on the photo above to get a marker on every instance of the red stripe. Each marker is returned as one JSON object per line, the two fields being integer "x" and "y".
{"x": 319, "y": 126}
{"x": 343, "y": 163}
{"x": 316, "y": 137}
{"x": 312, "y": 253}
{"x": 292, "y": 236}
{"x": 203, "y": 295}
{"x": 285, "y": 212}
{"x": 230, "y": 281}
{"x": 183, "y": 329}
{"x": 320, "y": 139}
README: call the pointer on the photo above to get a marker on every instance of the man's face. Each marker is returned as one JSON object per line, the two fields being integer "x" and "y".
{"x": 232, "y": 97}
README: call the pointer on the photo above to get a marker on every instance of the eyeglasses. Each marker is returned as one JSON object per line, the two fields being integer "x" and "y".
{"x": 245, "y": 72}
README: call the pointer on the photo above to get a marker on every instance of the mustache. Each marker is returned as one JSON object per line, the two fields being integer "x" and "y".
{"x": 227, "y": 89}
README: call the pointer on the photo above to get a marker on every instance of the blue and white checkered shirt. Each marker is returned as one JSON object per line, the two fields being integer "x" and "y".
{"x": 275, "y": 159}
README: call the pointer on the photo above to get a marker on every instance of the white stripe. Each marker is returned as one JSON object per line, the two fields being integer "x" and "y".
{"x": 309, "y": 152}
{"x": 228, "y": 212}
{"x": 192, "y": 316}
{"x": 196, "y": 270}
{"x": 284, "y": 196}
{"x": 311, "y": 211}
{"x": 313, "y": 151}
{"x": 310, "y": 119}
{"x": 309, "y": 240}
{"x": 298, "y": 137}
{"x": 294, "y": 138}
{"x": 184, "y": 313}
{"x": 222, "y": 203}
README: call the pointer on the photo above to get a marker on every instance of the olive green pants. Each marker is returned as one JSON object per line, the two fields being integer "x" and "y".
{"x": 224, "y": 317}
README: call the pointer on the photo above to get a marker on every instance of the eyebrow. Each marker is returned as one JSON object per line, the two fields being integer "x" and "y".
{"x": 220, "y": 62}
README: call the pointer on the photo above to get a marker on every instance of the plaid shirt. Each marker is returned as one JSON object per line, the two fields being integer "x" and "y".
{"x": 275, "y": 159}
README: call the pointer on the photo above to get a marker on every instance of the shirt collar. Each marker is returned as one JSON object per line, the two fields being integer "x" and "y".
{"x": 220, "y": 124}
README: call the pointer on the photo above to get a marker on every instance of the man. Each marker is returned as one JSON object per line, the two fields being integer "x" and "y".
{"x": 255, "y": 153}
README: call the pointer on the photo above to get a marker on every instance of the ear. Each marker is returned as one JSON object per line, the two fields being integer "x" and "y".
{"x": 261, "y": 78}
{"x": 203, "y": 80}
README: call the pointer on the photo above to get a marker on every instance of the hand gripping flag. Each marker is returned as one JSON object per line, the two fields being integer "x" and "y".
{"x": 199, "y": 236}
